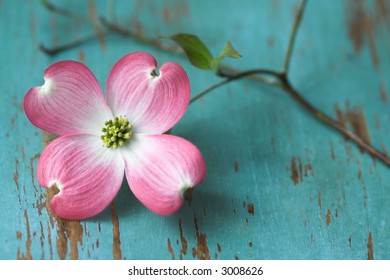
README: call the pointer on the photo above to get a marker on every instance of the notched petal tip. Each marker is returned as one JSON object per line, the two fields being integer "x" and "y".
{"x": 54, "y": 188}
{"x": 173, "y": 166}
{"x": 155, "y": 73}
{"x": 154, "y": 98}
{"x": 184, "y": 189}
{"x": 47, "y": 86}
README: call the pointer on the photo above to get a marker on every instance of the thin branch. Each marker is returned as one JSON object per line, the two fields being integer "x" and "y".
{"x": 240, "y": 75}
{"x": 99, "y": 34}
{"x": 56, "y": 50}
{"x": 290, "y": 90}
{"x": 139, "y": 37}
{"x": 61, "y": 11}
{"x": 285, "y": 85}
{"x": 280, "y": 79}
{"x": 291, "y": 41}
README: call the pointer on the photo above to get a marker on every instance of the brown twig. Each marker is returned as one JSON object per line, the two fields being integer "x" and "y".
{"x": 74, "y": 44}
{"x": 280, "y": 79}
{"x": 283, "y": 82}
{"x": 290, "y": 90}
{"x": 139, "y": 37}
{"x": 60, "y": 11}
{"x": 239, "y": 75}
{"x": 293, "y": 35}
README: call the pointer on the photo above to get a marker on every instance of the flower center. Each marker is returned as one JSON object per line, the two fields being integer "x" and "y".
{"x": 116, "y": 132}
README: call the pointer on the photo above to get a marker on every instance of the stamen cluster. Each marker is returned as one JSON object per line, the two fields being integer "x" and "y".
{"x": 116, "y": 132}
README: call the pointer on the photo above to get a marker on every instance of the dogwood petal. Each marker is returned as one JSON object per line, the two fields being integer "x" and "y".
{"x": 153, "y": 103}
{"x": 160, "y": 168}
{"x": 87, "y": 175}
{"x": 69, "y": 102}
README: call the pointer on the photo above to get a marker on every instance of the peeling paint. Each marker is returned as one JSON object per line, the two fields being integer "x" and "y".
{"x": 41, "y": 239}
{"x": 49, "y": 241}
{"x": 251, "y": 209}
{"x": 383, "y": 94}
{"x": 383, "y": 11}
{"x": 23, "y": 154}
{"x": 236, "y": 167}
{"x": 67, "y": 231}
{"x": 116, "y": 240}
{"x": 184, "y": 243}
{"x": 32, "y": 160}
{"x": 28, "y": 255}
{"x": 361, "y": 27}
{"x": 365, "y": 196}
{"x": 175, "y": 13}
{"x": 381, "y": 7}
{"x": 319, "y": 200}
{"x": 328, "y": 217}
{"x": 71, "y": 231}
{"x": 170, "y": 249}
{"x": 202, "y": 251}
{"x": 355, "y": 117}
{"x": 370, "y": 247}
{"x": 298, "y": 170}
{"x": 308, "y": 167}
{"x": 16, "y": 174}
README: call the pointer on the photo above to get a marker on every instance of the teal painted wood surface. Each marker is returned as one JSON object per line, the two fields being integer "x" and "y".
{"x": 280, "y": 185}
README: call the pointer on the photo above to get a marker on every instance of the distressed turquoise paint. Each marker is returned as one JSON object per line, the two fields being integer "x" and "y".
{"x": 252, "y": 136}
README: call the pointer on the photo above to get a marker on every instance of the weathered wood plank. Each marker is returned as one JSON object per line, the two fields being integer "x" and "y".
{"x": 280, "y": 184}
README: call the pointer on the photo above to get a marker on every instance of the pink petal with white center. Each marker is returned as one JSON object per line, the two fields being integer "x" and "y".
{"x": 152, "y": 103}
{"x": 160, "y": 168}
{"x": 69, "y": 102}
{"x": 87, "y": 175}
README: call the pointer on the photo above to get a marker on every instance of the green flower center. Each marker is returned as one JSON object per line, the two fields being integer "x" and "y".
{"x": 116, "y": 132}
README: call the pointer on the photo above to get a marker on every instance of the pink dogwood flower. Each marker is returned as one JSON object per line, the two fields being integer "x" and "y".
{"x": 101, "y": 140}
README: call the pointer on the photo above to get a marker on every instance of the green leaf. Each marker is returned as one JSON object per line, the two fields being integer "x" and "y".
{"x": 227, "y": 51}
{"x": 194, "y": 48}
